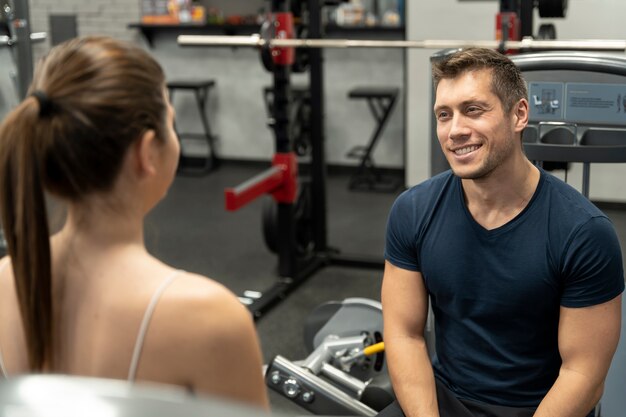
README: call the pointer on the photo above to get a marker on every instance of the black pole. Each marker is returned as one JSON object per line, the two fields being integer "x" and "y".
{"x": 526, "y": 18}
{"x": 24, "y": 54}
{"x": 286, "y": 224}
{"x": 318, "y": 165}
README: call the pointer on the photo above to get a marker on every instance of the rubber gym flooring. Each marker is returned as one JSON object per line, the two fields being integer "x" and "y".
{"x": 191, "y": 230}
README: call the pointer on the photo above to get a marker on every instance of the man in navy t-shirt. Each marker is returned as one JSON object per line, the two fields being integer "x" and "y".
{"x": 524, "y": 274}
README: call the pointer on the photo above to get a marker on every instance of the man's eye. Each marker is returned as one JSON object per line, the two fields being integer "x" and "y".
{"x": 473, "y": 109}
{"x": 442, "y": 115}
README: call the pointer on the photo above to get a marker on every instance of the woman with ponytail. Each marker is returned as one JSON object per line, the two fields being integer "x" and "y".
{"x": 96, "y": 132}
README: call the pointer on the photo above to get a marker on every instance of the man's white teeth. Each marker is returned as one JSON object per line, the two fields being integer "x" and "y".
{"x": 465, "y": 150}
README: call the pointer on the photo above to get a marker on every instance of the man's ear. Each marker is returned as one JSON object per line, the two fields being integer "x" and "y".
{"x": 520, "y": 114}
{"x": 145, "y": 153}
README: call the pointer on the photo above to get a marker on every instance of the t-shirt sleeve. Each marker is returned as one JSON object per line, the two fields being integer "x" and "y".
{"x": 592, "y": 265}
{"x": 400, "y": 243}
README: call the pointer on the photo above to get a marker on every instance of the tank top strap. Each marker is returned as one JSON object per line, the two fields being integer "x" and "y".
{"x": 143, "y": 329}
{"x": 3, "y": 369}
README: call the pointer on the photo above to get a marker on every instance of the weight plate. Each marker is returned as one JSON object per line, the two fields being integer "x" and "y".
{"x": 270, "y": 223}
{"x": 552, "y": 8}
{"x": 302, "y": 219}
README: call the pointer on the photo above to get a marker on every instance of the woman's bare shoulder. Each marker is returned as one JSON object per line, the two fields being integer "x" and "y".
{"x": 214, "y": 336}
{"x": 204, "y": 302}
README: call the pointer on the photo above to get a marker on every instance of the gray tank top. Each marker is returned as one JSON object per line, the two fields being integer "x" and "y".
{"x": 143, "y": 329}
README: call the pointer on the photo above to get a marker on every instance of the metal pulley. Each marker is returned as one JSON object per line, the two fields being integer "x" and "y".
{"x": 350, "y": 317}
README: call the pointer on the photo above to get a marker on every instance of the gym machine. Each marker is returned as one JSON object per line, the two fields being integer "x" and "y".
{"x": 577, "y": 110}
{"x": 345, "y": 372}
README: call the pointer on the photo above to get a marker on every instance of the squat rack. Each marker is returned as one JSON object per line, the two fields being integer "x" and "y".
{"x": 281, "y": 180}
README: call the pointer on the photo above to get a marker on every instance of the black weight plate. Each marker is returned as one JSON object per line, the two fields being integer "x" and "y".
{"x": 302, "y": 219}
{"x": 552, "y": 8}
{"x": 270, "y": 224}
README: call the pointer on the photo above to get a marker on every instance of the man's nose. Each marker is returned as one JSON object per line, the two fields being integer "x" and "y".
{"x": 459, "y": 129}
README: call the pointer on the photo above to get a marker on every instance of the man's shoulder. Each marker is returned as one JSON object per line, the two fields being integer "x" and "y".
{"x": 426, "y": 190}
{"x": 569, "y": 202}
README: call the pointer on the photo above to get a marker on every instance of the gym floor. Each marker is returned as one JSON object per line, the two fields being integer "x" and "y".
{"x": 191, "y": 230}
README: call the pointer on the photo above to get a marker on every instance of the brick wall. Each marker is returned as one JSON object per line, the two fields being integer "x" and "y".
{"x": 94, "y": 17}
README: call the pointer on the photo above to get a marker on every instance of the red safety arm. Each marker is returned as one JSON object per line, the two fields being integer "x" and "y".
{"x": 280, "y": 181}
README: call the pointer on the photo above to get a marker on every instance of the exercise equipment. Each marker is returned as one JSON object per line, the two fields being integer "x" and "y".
{"x": 295, "y": 222}
{"x": 345, "y": 372}
{"x": 552, "y": 8}
{"x": 72, "y": 396}
{"x": 579, "y": 115}
{"x": 279, "y": 41}
{"x": 526, "y": 44}
{"x": 276, "y": 41}
{"x": 302, "y": 221}
{"x": 517, "y": 17}
{"x": 300, "y": 116}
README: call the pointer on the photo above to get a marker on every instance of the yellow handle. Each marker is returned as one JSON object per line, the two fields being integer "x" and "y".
{"x": 373, "y": 349}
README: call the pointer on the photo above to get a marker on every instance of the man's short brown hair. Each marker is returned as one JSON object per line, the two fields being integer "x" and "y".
{"x": 507, "y": 82}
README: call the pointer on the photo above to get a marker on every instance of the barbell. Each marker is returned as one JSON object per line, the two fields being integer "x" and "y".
{"x": 34, "y": 37}
{"x": 528, "y": 43}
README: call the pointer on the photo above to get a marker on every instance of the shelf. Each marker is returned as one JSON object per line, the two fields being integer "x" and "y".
{"x": 365, "y": 29}
{"x": 365, "y": 32}
{"x": 149, "y": 30}
{"x": 332, "y": 31}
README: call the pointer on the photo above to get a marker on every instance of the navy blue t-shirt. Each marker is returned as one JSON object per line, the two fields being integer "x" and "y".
{"x": 496, "y": 293}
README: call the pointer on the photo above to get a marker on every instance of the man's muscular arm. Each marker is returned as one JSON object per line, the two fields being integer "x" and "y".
{"x": 405, "y": 308}
{"x": 588, "y": 339}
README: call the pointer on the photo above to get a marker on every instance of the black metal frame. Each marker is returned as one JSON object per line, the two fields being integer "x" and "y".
{"x": 524, "y": 10}
{"x": 292, "y": 268}
{"x": 21, "y": 30}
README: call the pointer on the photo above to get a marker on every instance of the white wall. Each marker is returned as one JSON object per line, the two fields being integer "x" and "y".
{"x": 94, "y": 17}
{"x": 472, "y": 20}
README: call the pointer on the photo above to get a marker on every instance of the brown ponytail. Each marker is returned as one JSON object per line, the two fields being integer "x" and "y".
{"x": 26, "y": 227}
{"x": 103, "y": 95}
